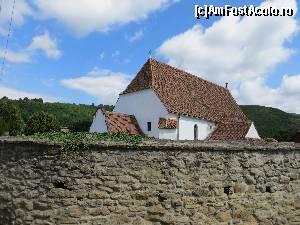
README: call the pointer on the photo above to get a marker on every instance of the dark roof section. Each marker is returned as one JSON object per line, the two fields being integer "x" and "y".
{"x": 186, "y": 94}
{"x": 167, "y": 123}
{"x": 296, "y": 138}
{"x": 230, "y": 131}
{"x": 122, "y": 123}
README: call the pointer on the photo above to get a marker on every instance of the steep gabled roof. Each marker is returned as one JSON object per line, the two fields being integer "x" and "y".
{"x": 121, "y": 123}
{"x": 186, "y": 94}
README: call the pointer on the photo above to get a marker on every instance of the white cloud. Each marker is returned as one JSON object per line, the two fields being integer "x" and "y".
{"x": 291, "y": 84}
{"x": 16, "y": 94}
{"x": 103, "y": 84}
{"x": 241, "y": 51}
{"x": 15, "y": 57}
{"x": 22, "y": 10}
{"x": 48, "y": 82}
{"x": 116, "y": 54}
{"x": 136, "y": 36}
{"x": 81, "y": 16}
{"x": 102, "y": 55}
{"x": 86, "y": 16}
{"x": 46, "y": 44}
{"x": 42, "y": 42}
{"x": 286, "y": 96}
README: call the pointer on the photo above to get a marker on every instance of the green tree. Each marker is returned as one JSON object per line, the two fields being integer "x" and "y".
{"x": 81, "y": 126}
{"x": 109, "y": 108}
{"x": 10, "y": 118}
{"x": 41, "y": 122}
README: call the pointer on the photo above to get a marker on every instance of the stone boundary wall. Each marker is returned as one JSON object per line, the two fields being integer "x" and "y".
{"x": 153, "y": 183}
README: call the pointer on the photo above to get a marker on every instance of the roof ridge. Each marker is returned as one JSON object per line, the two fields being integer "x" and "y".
{"x": 236, "y": 122}
{"x": 151, "y": 71}
{"x": 123, "y": 114}
{"x": 190, "y": 74}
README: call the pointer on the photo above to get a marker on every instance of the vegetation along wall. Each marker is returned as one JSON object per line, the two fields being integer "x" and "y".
{"x": 153, "y": 183}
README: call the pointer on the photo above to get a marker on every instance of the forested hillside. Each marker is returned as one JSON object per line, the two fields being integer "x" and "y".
{"x": 69, "y": 115}
{"x": 271, "y": 122}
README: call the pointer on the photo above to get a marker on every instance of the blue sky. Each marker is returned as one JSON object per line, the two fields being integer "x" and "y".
{"x": 67, "y": 51}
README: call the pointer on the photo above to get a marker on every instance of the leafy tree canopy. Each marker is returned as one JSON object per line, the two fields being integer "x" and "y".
{"x": 10, "y": 118}
{"x": 81, "y": 126}
{"x": 41, "y": 122}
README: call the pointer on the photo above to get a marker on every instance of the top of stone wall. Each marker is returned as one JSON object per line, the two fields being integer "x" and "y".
{"x": 159, "y": 145}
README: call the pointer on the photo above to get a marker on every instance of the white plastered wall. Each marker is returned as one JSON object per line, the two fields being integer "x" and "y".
{"x": 99, "y": 124}
{"x": 252, "y": 133}
{"x": 146, "y": 107}
{"x": 186, "y": 128}
{"x": 168, "y": 134}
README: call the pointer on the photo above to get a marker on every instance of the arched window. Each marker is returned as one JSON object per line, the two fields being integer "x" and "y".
{"x": 196, "y": 132}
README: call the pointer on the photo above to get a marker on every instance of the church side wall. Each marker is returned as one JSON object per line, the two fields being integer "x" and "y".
{"x": 146, "y": 107}
{"x": 186, "y": 128}
{"x": 168, "y": 134}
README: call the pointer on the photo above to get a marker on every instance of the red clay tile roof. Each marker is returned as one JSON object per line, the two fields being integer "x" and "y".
{"x": 186, "y": 94}
{"x": 230, "y": 131}
{"x": 167, "y": 123}
{"x": 122, "y": 123}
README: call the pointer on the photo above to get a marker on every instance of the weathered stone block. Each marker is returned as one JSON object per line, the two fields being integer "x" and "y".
{"x": 100, "y": 211}
{"x": 98, "y": 195}
{"x": 297, "y": 203}
{"x": 224, "y": 216}
{"x": 284, "y": 179}
{"x": 23, "y": 203}
{"x": 240, "y": 188}
{"x": 20, "y": 214}
{"x": 75, "y": 211}
{"x": 156, "y": 210}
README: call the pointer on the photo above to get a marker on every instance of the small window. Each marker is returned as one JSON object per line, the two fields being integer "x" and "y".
{"x": 149, "y": 126}
{"x": 196, "y": 132}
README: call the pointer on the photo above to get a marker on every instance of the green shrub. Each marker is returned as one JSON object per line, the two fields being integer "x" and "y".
{"x": 81, "y": 126}
{"x": 85, "y": 137}
{"x": 41, "y": 122}
{"x": 76, "y": 143}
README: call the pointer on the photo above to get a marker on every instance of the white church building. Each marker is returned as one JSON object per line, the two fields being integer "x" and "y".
{"x": 168, "y": 103}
